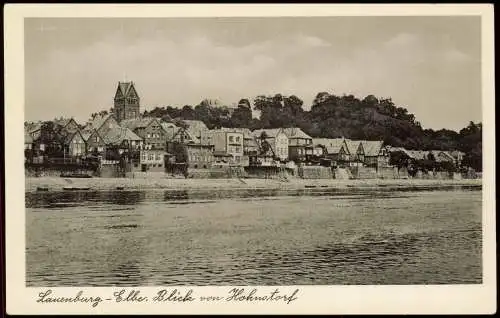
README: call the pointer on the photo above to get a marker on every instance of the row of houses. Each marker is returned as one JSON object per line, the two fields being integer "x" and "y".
{"x": 150, "y": 143}
{"x": 440, "y": 156}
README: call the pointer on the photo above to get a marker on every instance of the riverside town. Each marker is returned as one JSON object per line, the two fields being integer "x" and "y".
{"x": 340, "y": 137}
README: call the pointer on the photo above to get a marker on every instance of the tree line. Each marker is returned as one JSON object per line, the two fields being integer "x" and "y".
{"x": 332, "y": 116}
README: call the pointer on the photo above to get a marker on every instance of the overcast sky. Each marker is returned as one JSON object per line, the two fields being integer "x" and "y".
{"x": 430, "y": 65}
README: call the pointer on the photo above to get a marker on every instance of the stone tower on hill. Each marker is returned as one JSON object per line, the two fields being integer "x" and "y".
{"x": 127, "y": 102}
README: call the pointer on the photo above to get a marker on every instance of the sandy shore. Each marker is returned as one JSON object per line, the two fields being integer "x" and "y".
{"x": 57, "y": 183}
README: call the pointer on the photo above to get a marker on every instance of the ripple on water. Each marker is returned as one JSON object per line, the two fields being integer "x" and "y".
{"x": 335, "y": 237}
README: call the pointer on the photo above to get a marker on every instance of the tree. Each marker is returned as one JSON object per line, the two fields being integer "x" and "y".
{"x": 399, "y": 159}
{"x": 244, "y": 103}
{"x": 188, "y": 112}
{"x": 241, "y": 117}
{"x": 264, "y": 144}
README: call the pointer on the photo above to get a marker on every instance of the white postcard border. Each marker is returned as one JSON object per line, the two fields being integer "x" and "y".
{"x": 454, "y": 299}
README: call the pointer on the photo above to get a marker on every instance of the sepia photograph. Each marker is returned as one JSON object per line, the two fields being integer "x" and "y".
{"x": 253, "y": 151}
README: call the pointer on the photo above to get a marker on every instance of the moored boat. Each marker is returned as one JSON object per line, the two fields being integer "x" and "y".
{"x": 75, "y": 175}
{"x": 76, "y": 188}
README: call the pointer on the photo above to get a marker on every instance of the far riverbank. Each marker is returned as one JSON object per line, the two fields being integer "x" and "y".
{"x": 106, "y": 184}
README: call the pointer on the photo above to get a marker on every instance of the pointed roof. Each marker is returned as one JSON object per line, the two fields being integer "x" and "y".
{"x": 69, "y": 136}
{"x": 332, "y": 145}
{"x": 141, "y": 122}
{"x": 97, "y": 122}
{"x": 445, "y": 156}
{"x": 32, "y": 127}
{"x": 86, "y": 134}
{"x": 372, "y": 148}
{"x": 271, "y": 133}
{"x": 247, "y": 134}
{"x": 295, "y": 132}
{"x": 417, "y": 154}
{"x": 62, "y": 121}
{"x": 195, "y": 124}
{"x": 116, "y": 135}
{"x": 353, "y": 145}
{"x": 170, "y": 129}
{"x": 124, "y": 87}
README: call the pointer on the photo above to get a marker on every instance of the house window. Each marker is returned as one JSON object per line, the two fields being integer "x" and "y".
{"x": 238, "y": 149}
{"x": 238, "y": 139}
{"x": 148, "y": 136}
{"x": 231, "y": 138}
{"x": 158, "y": 157}
{"x": 151, "y": 156}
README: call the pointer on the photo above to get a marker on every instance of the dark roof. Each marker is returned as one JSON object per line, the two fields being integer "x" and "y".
{"x": 69, "y": 136}
{"x": 372, "y": 148}
{"x": 134, "y": 123}
{"x": 353, "y": 145}
{"x": 332, "y": 145}
{"x": 97, "y": 122}
{"x": 222, "y": 154}
{"x": 271, "y": 133}
{"x": 124, "y": 87}
{"x": 295, "y": 132}
{"x": 117, "y": 135}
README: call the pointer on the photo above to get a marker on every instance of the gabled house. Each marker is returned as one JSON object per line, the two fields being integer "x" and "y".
{"x": 228, "y": 147}
{"x": 66, "y": 125}
{"x": 49, "y": 140}
{"x": 356, "y": 152}
{"x": 418, "y": 154}
{"x": 34, "y": 131}
{"x": 74, "y": 144}
{"x": 101, "y": 123}
{"x": 170, "y": 130}
{"x": 192, "y": 131}
{"x": 334, "y": 149}
{"x": 442, "y": 156}
{"x": 299, "y": 144}
{"x": 375, "y": 154}
{"x": 150, "y": 129}
{"x": 94, "y": 141}
{"x": 277, "y": 140}
{"x": 250, "y": 146}
{"x": 123, "y": 138}
{"x": 191, "y": 143}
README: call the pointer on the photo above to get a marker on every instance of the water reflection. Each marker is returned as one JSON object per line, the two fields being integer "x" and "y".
{"x": 254, "y": 237}
{"x": 64, "y": 199}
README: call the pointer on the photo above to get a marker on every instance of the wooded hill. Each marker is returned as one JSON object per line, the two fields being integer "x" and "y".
{"x": 332, "y": 116}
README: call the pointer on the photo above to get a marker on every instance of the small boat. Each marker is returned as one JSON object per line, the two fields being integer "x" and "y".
{"x": 324, "y": 186}
{"x": 310, "y": 186}
{"x": 76, "y": 188}
{"x": 42, "y": 189}
{"x": 119, "y": 188}
{"x": 75, "y": 175}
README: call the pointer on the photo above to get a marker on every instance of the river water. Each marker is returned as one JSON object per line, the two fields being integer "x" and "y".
{"x": 254, "y": 237}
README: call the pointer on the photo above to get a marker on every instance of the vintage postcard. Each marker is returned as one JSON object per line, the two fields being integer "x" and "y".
{"x": 249, "y": 159}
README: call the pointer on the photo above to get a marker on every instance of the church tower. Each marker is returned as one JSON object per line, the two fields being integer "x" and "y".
{"x": 126, "y": 104}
